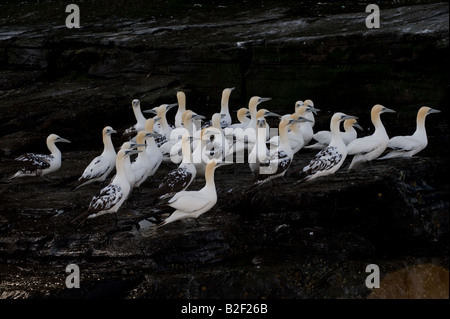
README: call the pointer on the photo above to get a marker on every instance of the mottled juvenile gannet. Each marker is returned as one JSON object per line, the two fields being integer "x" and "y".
{"x": 140, "y": 121}
{"x": 41, "y": 164}
{"x": 323, "y": 138}
{"x": 101, "y": 166}
{"x": 192, "y": 204}
{"x": 407, "y": 146}
{"x": 180, "y": 178}
{"x": 370, "y": 147}
{"x": 114, "y": 195}
{"x": 330, "y": 159}
{"x": 280, "y": 159}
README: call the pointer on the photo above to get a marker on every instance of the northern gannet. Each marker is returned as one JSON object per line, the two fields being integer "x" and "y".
{"x": 192, "y": 204}
{"x": 310, "y": 115}
{"x": 370, "y": 147}
{"x": 246, "y": 137}
{"x": 225, "y": 121}
{"x": 112, "y": 196}
{"x": 279, "y": 160}
{"x": 180, "y": 178}
{"x": 259, "y": 153}
{"x": 165, "y": 129}
{"x": 154, "y": 153}
{"x": 41, "y": 164}
{"x": 329, "y": 159}
{"x": 129, "y": 173}
{"x": 181, "y": 98}
{"x": 306, "y": 127}
{"x": 242, "y": 116}
{"x": 140, "y": 121}
{"x": 295, "y": 135}
{"x": 407, "y": 146}
{"x": 143, "y": 167}
{"x": 101, "y": 166}
{"x": 323, "y": 138}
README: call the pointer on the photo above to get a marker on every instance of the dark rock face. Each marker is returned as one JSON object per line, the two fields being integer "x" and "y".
{"x": 311, "y": 240}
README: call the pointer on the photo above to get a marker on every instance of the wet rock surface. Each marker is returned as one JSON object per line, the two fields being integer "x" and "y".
{"x": 311, "y": 240}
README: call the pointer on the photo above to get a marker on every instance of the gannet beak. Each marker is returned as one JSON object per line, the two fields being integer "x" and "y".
{"x": 112, "y": 131}
{"x": 433, "y": 111}
{"x": 271, "y": 114}
{"x": 151, "y": 134}
{"x": 156, "y": 119}
{"x": 152, "y": 111}
{"x": 60, "y": 139}
{"x": 134, "y": 146}
{"x": 171, "y": 106}
{"x": 231, "y": 89}
{"x": 247, "y": 113}
{"x": 264, "y": 99}
{"x": 358, "y": 126}
{"x": 131, "y": 152}
{"x": 197, "y": 116}
{"x": 386, "y": 110}
{"x": 348, "y": 117}
{"x": 300, "y": 119}
{"x": 314, "y": 110}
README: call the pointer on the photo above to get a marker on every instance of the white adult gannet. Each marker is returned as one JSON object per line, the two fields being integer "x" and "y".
{"x": 154, "y": 153}
{"x": 41, "y": 164}
{"x": 114, "y": 195}
{"x": 140, "y": 121}
{"x": 180, "y": 178}
{"x": 280, "y": 159}
{"x": 323, "y": 138}
{"x": 370, "y": 147}
{"x": 225, "y": 121}
{"x": 165, "y": 129}
{"x": 259, "y": 153}
{"x": 101, "y": 166}
{"x": 408, "y": 146}
{"x": 295, "y": 135}
{"x": 305, "y": 127}
{"x": 310, "y": 115}
{"x": 329, "y": 159}
{"x": 192, "y": 204}
{"x": 246, "y": 138}
{"x": 243, "y": 120}
{"x": 181, "y": 98}
{"x": 129, "y": 173}
{"x": 142, "y": 166}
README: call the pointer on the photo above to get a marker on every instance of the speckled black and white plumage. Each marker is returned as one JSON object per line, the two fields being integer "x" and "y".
{"x": 35, "y": 163}
{"x": 176, "y": 181}
{"x": 325, "y": 160}
{"x": 106, "y": 200}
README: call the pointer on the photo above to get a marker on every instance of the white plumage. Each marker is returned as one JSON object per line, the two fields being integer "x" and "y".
{"x": 370, "y": 147}
{"x": 323, "y": 138}
{"x": 140, "y": 121}
{"x": 192, "y": 204}
{"x": 408, "y": 146}
{"x": 101, "y": 166}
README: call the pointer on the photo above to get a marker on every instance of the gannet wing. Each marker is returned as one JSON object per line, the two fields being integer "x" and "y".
{"x": 36, "y": 161}
{"x": 108, "y": 197}
{"x": 96, "y": 168}
{"x": 323, "y": 161}
{"x": 362, "y": 145}
{"x": 403, "y": 143}
{"x": 191, "y": 201}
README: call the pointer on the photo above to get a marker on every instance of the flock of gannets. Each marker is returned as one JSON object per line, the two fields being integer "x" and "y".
{"x": 199, "y": 149}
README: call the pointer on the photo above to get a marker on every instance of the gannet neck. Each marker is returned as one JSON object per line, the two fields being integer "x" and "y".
{"x": 376, "y": 120}
{"x": 209, "y": 175}
{"x": 284, "y": 138}
{"x": 242, "y": 115}
{"x": 181, "y": 98}
{"x": 336, "y": 136}
{"x": 348, "y": 125}
{"x": 186, "y": 149}
{"x": 215, "y": 121}
{"x": 120, "y": 163}
{"x": 54, "y": 150}
{"x": 420, "y": 121}
{"x": 136, "y": 106}
{"x": 149, "y": 124}
{"x": 140, "y": 139}
{"x": 225, "y": 100}
{"x": 107, "y": 142}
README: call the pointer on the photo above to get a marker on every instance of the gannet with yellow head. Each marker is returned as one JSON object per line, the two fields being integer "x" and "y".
{"x": 408, "y": 146}
{"x": 370, "y": 147}
{"x": 323, "y": 138}
{"x": 140, "y": 121}
{"x": 192, "y": 204}
{"x": 41, "y": 164}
